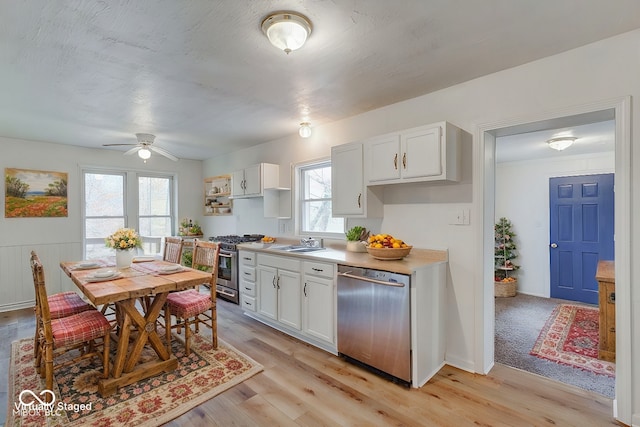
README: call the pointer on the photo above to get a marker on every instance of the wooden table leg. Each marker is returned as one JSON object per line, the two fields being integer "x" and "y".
{"x": 147, "y": 332}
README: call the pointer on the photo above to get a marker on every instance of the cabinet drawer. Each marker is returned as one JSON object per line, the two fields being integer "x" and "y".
{"x": 287, "y": 263}
{"x": 247, "y": 302}
{"x": 247, "y": 258}
{"x": 247, "y": 288}
{"x": 248, "y": 273}
{"x": 321, "y": 269}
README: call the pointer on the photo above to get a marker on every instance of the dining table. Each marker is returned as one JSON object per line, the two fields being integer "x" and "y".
{"x": 150, "y": 280}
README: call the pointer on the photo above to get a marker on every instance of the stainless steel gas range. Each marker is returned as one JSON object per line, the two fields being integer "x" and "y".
{"x": 227, "y": 284}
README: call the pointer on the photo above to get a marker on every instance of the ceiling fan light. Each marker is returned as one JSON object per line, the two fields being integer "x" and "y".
{"x": 561, "y": 143}
{"x": 287, "y": 31}
{"x": 305, "y": 129}
{"x": 144, "y": 153}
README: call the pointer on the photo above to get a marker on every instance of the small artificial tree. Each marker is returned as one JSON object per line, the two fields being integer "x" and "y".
{"x": 504, "y": 251}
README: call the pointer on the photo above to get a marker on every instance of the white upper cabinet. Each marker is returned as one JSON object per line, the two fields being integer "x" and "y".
{"x": 349, "y": 196}
{"x": 426, "y": 153}
{"x": 252, "y": 180}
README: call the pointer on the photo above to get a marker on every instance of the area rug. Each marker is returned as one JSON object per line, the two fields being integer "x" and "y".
{"x": 570, "y": 337}
{"x": 151, "y": 402}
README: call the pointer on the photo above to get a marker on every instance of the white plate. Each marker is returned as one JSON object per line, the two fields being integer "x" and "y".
{"x": 87, "y": 265}
{"x": 143, "y": 259}
{"x": 103, "y": 279}
{"x": 168, "y": 268}
{"x": 104, "y": 274}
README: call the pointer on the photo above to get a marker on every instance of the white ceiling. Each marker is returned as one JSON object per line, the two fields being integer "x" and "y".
{"x": 202, "y": 77}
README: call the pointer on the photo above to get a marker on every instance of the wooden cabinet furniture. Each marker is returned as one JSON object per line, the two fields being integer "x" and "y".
{"x": 426, "y": 153}
{"x": 217, "y": 192}
{"x": 351, "y": 198}
{"x": 252, "y": 180}
{"x": 605, "y": 275}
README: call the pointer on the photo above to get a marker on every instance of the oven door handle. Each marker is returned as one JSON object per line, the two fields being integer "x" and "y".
{"x": 225, "y": 255}
{"x": 222, "y": 291}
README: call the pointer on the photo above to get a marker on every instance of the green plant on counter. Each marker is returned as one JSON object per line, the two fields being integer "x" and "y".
{"x": 357, "y": 234}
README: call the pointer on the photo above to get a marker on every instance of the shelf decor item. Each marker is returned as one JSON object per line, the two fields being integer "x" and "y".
{"x": 124, "y": 241}
{"x": 505, "y": 252}
{"x": 357, "y": 237}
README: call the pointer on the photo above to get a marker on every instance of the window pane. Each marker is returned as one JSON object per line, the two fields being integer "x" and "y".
{"x": 317, "y": 218}
{"x": 317, "y": 183}
{"x": 103, "y": 195}
{"x": 154, "y": 195}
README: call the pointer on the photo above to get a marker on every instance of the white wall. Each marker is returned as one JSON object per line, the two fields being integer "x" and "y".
{"x": 60, "y": 239}
{"x": 522, "y": 195}
{"x": 604, "y": 70}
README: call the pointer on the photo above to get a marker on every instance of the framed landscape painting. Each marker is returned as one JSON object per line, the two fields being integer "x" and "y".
{"x": 32, "y": 193}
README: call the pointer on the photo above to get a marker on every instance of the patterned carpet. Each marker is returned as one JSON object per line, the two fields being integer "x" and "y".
{"x": 518, "y": 322}
{"x": 570, "y": 337}
{"x": 152, "y": 402}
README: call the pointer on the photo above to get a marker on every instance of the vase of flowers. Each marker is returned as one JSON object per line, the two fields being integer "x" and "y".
{"x": 124, "y": 241}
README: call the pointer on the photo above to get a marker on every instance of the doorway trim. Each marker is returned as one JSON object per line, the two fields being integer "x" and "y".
{"x": 484, "y": 165}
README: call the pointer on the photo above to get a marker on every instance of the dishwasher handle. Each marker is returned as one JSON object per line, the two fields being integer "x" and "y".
{"x": 367, "y": 279}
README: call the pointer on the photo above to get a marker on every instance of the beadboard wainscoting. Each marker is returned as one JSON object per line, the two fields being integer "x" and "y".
{"x": 16, "y": 281}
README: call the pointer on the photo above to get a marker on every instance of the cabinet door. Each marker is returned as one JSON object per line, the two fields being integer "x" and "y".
{"x": 347, "y": 171}
{"x": 318, "y": 308}
{"x": 289, "y": 298}
{"x": 267, "y": 292}
{"x": 237, "y": 184}
{"x": 422, "y": 153}
{"x": 253, "y": 181}
{"x": 383, "y": 158}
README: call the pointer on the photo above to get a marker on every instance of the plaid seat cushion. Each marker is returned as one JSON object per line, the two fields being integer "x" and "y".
{"x": 78, "y": 328}
{"x": 186, "y": 304}
{"x": 66, "y": 304}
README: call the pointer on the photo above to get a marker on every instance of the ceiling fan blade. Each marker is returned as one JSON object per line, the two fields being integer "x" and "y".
{"x": 115, "y": 145}
{"x": 133, "y": 150}
{"x": 163, "y": 152}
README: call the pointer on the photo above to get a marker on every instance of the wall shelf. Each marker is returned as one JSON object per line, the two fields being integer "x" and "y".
{"x": 217, "y": 196}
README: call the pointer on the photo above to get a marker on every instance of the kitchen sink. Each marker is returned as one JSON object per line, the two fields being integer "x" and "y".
{"x": 297, "y": 248}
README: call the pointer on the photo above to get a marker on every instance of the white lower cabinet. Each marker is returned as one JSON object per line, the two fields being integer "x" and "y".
{"x": 295, "y": 296}
{"x": 247, "y": 280}
{"x": 318, "y": 301}
{"x": 279, "y": 289}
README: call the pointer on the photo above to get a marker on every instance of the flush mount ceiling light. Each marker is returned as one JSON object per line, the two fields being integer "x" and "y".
{"x": 305, "y": 129}
{"x": 286, "y": 30}
{"x": 561, "y": 143}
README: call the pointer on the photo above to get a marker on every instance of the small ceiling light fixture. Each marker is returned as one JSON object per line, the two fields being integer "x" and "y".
{"x": 286, "y": 30}
{"x": 144, "y": 154}
{"x": 305, "y": 129}
{"x": 561, "y": 143}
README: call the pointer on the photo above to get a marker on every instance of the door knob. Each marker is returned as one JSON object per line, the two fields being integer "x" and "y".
{"x": 554, "y": 245}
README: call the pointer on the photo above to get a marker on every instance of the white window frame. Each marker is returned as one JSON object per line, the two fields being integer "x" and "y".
{"x": 131, "y": 197}
{"x": 299, "y": 169}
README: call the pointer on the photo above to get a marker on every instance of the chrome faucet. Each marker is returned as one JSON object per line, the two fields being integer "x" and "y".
{"x": 311, "y": 242}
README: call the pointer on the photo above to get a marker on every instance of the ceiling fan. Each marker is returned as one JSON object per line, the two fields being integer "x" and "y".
{"x": 144, "y": 147}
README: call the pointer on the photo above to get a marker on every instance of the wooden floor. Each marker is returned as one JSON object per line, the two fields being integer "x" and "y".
{"x": 304, "y": 386}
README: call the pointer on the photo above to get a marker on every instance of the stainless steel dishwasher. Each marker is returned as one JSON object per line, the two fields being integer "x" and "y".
{"x": 374, "y": 324}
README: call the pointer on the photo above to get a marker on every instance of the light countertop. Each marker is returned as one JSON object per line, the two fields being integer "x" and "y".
{"x": 417, "y": 259}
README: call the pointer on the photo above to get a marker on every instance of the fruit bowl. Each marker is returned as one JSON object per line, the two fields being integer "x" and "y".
{"x": 389, "y": 254}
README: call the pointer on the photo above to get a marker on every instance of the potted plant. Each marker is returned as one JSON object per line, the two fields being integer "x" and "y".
{"x": 357, "y": 238}
{"x": 505, "y": 252}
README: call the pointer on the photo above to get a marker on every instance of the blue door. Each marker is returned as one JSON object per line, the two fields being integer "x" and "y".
{"x": 581, "y": 233}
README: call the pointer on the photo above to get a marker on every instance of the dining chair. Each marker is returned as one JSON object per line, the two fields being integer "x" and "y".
{"x": 62, "y": 304}
{"x": 193, "y": 307}
{"x": 173, "y": 249}
{"x": 60, "y": 336}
